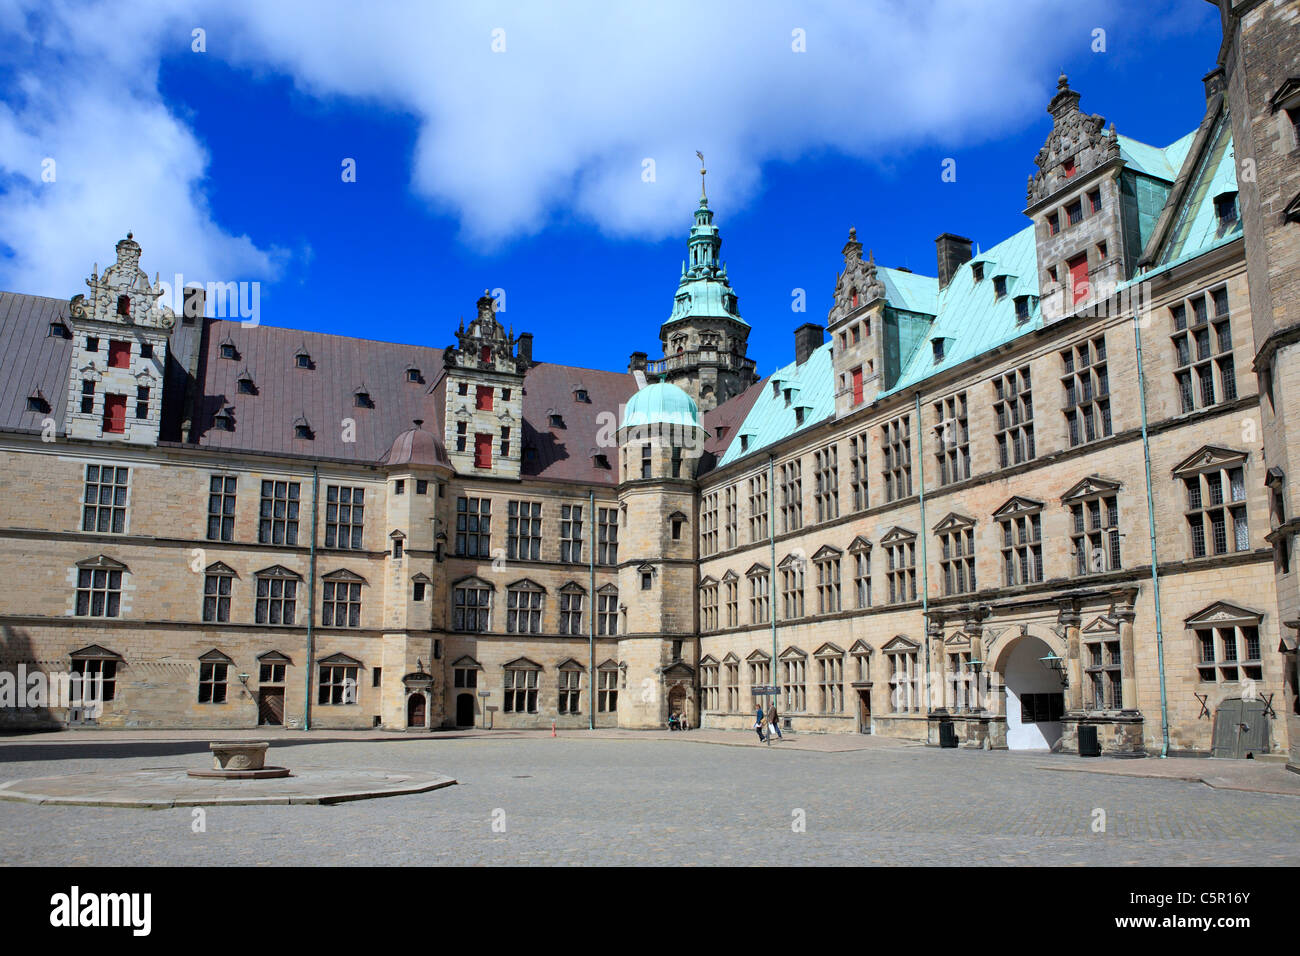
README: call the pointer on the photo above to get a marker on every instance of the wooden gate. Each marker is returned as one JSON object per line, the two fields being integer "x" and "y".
{"x": 1240, "y": 728}
{"x": 270, "y": 705}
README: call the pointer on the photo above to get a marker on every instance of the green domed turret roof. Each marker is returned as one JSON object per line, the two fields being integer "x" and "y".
{"x": 661, "y": 403}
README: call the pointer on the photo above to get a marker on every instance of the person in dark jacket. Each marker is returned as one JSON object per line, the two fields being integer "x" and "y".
{"x": 758, "y": 722}
{"x": 774, "y": 719}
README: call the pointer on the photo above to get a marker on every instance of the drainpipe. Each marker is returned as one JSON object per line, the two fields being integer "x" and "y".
{"x": 311, "y": 600}
{"x": 771, "y": 544}
{"x": 925, "y": 565}
{"x": 1151, "y": 529}
{"x": 591, "y": 616}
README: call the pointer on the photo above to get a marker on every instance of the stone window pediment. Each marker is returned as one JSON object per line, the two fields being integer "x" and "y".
{"x": 1101, "y": 625}
{"x": 95, "y": 652}
{"x": 1092, "y": 485}
{"x": 826, "y": 552}
{"x": 466, "y": 661}
{"x": 343, "y": 574}
{"x": 900, "y": 645}
{"x": 957, "y": 639}
{"x": 524, "y": 584}
{"x": 756, "y": 570}
{"x": 522, "y": 664}
{"x": 1208, "y": 458}
{"x": 861, "y": 647}
{"x": 102, "y": 562}
{"x": 608, "y": 664}
{"x": 829, "y": 650}
{"x": 570, "y": 664}
{"x": 1018, "y": 505}
{"x": 277, "y": 571}
{"x": 215, "y": 656}
{"x": 859, "y": 544}
{"x": 573, "y": 587}
{"x": 758, "y": 656}
{"x": 731, "y": 576}
{"x": 708, "y": 581}
{"x": 1224, "y": 612}
{"x": 473, "y": 581}
{"x": 274, "y": 657}
{"x": 795, "y": 559}
{"x": 220, "y": 567}
{"x": 708, "y": 660}
{"x": 896, "y": 535}
{"x": 792, "y": 653}
{"x": 1287, "y": 95}
{"x": 339, "y": 660}
{"x": 421, "y": 578}
{"x": 607, "y": 589}
{"x": 731, "y": 658}
{"x": 954, "y": 522}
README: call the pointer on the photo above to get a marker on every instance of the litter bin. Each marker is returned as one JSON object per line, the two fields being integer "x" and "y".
{"x": 1088, "y": 745}
{"x": 947, "y": 734}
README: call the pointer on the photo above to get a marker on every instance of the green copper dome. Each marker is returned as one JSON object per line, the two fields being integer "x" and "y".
{"x": 661, "y": 403}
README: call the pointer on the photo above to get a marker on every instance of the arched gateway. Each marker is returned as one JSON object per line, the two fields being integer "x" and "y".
{"x": 1033, "y": 695}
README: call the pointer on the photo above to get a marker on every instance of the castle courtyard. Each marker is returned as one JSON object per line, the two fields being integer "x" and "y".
{"x": 703, "y": 798}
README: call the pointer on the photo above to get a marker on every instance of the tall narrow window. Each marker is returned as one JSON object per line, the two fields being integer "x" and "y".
{"x": 1094, "y": 527}
{"x": 571, "y": 610}
{"x": 957, "y": 555}
{"x": 952, "y": 438}
{"x": 344, "y": 515}
{"x": 524, "y": 530}
{"x": 827, "y": 562}
{"x": 1087, "y": 391}
{"x": 607, "y": 536}
{"x": 571, "y": 533}
{"x": 709, "y": 524}
{"x": 731, "y": 520}
{"x": 791, "y": 478}
{"x": 216, "y": 594}
{"x": 900, "y": 565}
{"x": 1013, "y": 410}
{"x": 896, "y": 447}
{"x": 827, "y": 482}
{"x": 473, "y": 527}
{"x": 858, "y": 475}
{"x": 758, "y": 507}
{"x": 278, "y": 517}
{"x": 104, "y": 502}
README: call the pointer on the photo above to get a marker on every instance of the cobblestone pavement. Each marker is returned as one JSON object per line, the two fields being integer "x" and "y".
{"x": 629, "y": 801}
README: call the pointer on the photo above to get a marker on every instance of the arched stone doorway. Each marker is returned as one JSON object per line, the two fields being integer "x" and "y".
{"x": 1033, "y": 695}
{"x": 677, "y": 702}
{"x": 419, "y": 691}
{"x": 415, "y": 710}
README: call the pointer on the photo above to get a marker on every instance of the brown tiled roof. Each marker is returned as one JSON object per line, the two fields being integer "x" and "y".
{"x": 31, "y": 359}
{"x": 568, "y": 453}
{"x": 722, "y": 423}
{"x": 417, "y": 446}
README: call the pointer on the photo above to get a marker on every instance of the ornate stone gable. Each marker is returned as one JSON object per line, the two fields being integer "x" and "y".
{"x": 123, "y": 294}
{"x": 1077, "y": 138}
{"x": 1222, "y": 612}
{"x": 857, "y": 285}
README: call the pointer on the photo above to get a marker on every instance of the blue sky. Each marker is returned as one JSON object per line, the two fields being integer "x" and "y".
{"x": 521, "y": 168}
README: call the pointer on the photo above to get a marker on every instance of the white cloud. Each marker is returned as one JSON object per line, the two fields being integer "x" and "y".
{"x": 556, "y": 127}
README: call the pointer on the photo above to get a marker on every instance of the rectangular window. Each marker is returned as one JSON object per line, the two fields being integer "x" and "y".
{"x": 276, "y": 600}
{"x": 342, "y": 604}
{"x": 900, "y": 571}
{"x": 142, "y": 401}
{"x": 731, "y": 519}
{"x": 99, "y": 592}
{"x": 758, "y": 508}
{"x": 1074, "y": 211}
{"x": 505, "y": 441}
{"x": 97, "y": 676}
{"x": 1078, "y": 267}
{"x": 104, "y": 503}
{"x": 709, "y": 607}
{"x": 212, "y": 682}
{"x": 483, "y": 398}
{"x": 521, "y": 691}
{"x": 862, "y": 578}
{"x": 1022, "y": 549}
{"x": 1102, "y": 675}
{"x": 278, "y": 516}
{"x": 794, "y": 684}
{"x": 570, "y": 692}
{"x": 827, "y": 482}
{"x": 119, "y": 354}
{"x": 828, "y": 585}
{"x": 607, "y": 536}
{"x": 646, "y": 461}
{"x": 523, "y": 611}
{"x": 607, "y": 691}
{"x": 857, "y": 386}
{"x": 461, "y": 436}
{"x": 830, "y": 684}
{"x": 759, "y": 598}
{"x": 858, "y": 474}
{"x": 896, "y": 447}
{"x": 87, "y": 397}
{"x": 791, "y": 479}
{"x": 904, "y": 682}
{"x": 1086, "y": 385}
{"x": 571, "y": 613}
{"x": 733, "y": 602}
{"x": 115, "y": 414}
{"x": 607, "y": 613}
{"x": 957, "y": 560}
{"x": 216, "y": 598}
{"x": 337, "y": 685}
{"x": 952, "y": 439}
{"x": 473, "y": 527}
{"x": 1216, "y": 511}
{"x": 1094, "y": 535}
{"x": 1205, "y": 372}
{"x": 1013, "y": 410}
{"x": 482, "y": 450}
{"x": 470, "y": 608}
{"x": 344, "y": 515}
{"x": 570, "y": 533}
{"x": 524, "y": 530}
{"x": 709, "y": 525}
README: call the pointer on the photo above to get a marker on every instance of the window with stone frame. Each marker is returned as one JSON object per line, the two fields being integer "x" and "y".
{"x": 341, "y": 599}
{"x": 104, "y": 503}
{"x": 647, "y": 460}
{"x": 465, "y": 677}
{"x": 1103, "y": 683}
{"x": 524, "y": 608}
{"x": 731, "y": 598}
{"x": 902, "y": 659}
{"x": 276, "y": 599}
{"x": 792, "y": 583}
{"x": 900, "y": 565}
{"x": 962, "y": 688}
{"x": 345, "y": 509}
{"x": 473, "y": 527}
{"x": 214, "y": 670}
{"x": 957, "y": 554}
{"x": 271, "y": 668}
{"x": 338, "y": 683}
{"x": 571, "y": 601}
{"x": 758, "y": 502}
{"x": 218, "y": 580}
{"x": 731, "y": 674}
{"x": 571, "y": 533}
{"x": 1086, "y": 386}
{"x": 708, "y": 604}
{"x": 1204, "y": 369}
{"x": 1013, "y": 411}
{"x": 826, "y": 474}
{"x": 794, "y": 681}
{"x": 471, "y": 606}
{"x": 791, "y": 480}
{"x": 952, "y": 438}
{"x": 760, "y": 595}
{"x": 1021, "y": 524}
{"x": 94, "y": 673}
{"x": 708, "y": 685}
{"x": 830, "y": 680}
{"x": 607, "y": 610}
{"x": 709, "y": 525}
{"x": 896, "y": 449}
{"x": 570, "y": 690}
{"x": 607, "y": 689}
{"x": 221, "y": 507}
{"x": 827, "y": 563}
{"x": 1094, "y": 526}
{"x": 607, "y": 536}
{"x": 524, "y": 530}
{"x": 1227, "y": 642}
{"x": 1214, "y": 481}
{"x": 521, "y": 688}
{"x": 278, "y": 514}
{"x": 99, "y": 587}
{"x": 861, "y": 653}
{"x": 760, "y": 675}
{"x": 858, "y": 480}
{"x": 731, "y": 515}
{"x": 860, "y": 551}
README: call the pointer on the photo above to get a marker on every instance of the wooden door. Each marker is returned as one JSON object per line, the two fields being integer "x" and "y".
{"x": 415, "y": 710}
{"x": 270, "y": 706}
{"x": 1240, "y": 728}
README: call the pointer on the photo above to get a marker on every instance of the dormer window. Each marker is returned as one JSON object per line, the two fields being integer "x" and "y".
{"x": 557, "y": 421}
{"x": 363, "y": 400}
{"x": 937, "y": 346}
{"x": 798, "y": 415}
{"x": 600, "y": 461}
{"x": 999, "y": 287}
{"x": 744, "y": 443}
{"x": 1022, "y": 308}
{"x": 413, "y": 375}
{"x": 225, "y": 420}
{"x": 580, "y": 395}
{"x": 302, "y": 360}
{"x": 977, "y": 270}
{"x": 36, "y": 402}
{"x": 227, "y": 350}
{"x": 301, "y": 429}
{"x": 246, "y": 386}
{"x": 1225, "y": 210}
{"x": 58, "y": 330}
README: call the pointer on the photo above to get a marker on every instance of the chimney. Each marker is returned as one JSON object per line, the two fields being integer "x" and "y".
{"x": 524, "y": 351}
{"x": 807, "y": 338}
{"x": 194, "y": 304}
{"x": 1214, "y": 83}
{"x": 637, "y": 362}
{"x": 953, "y": 251}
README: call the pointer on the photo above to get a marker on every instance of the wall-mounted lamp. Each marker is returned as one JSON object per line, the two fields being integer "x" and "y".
{"x": 1057, "y": 664}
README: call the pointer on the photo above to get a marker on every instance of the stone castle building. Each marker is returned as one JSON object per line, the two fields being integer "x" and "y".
{"x": 1045, "y": 493}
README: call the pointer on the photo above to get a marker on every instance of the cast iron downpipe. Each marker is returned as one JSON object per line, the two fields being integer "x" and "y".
{"x": 591, "y": 614}
{"x": 771, "y": 544}
{"x": 311, "y": 600}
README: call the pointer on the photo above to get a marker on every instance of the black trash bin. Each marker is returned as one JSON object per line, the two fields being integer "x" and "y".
{"x": 947, "y": 734}
{"x": 1088, "y": 744}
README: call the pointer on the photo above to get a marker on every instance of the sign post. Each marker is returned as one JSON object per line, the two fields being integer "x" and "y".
{"x": 483, "y": 696}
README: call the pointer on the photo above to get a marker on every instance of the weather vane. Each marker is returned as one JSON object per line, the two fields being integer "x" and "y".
{"x": 702, "y": 172}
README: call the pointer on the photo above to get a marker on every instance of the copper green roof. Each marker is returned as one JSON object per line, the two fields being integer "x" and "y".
{"x": 704, "y": 290}
{"x": 661, "y": 403}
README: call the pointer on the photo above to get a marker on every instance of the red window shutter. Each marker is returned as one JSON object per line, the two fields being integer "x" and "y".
{"x": 1078, "y": 278}
{"x": 857, "y": 385}
{"x": 119, "y": 354}
{"x": 1069, "y": 168}
{"x": 485, "y": 398}
{"x": 485, "y": 354}
{"x": 482, "y": 450}
{"x": 114, "y": 413}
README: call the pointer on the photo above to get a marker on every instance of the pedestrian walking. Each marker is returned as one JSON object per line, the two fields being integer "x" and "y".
{"x": 775, "y": 721}
{"x": 758, "y": 722}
